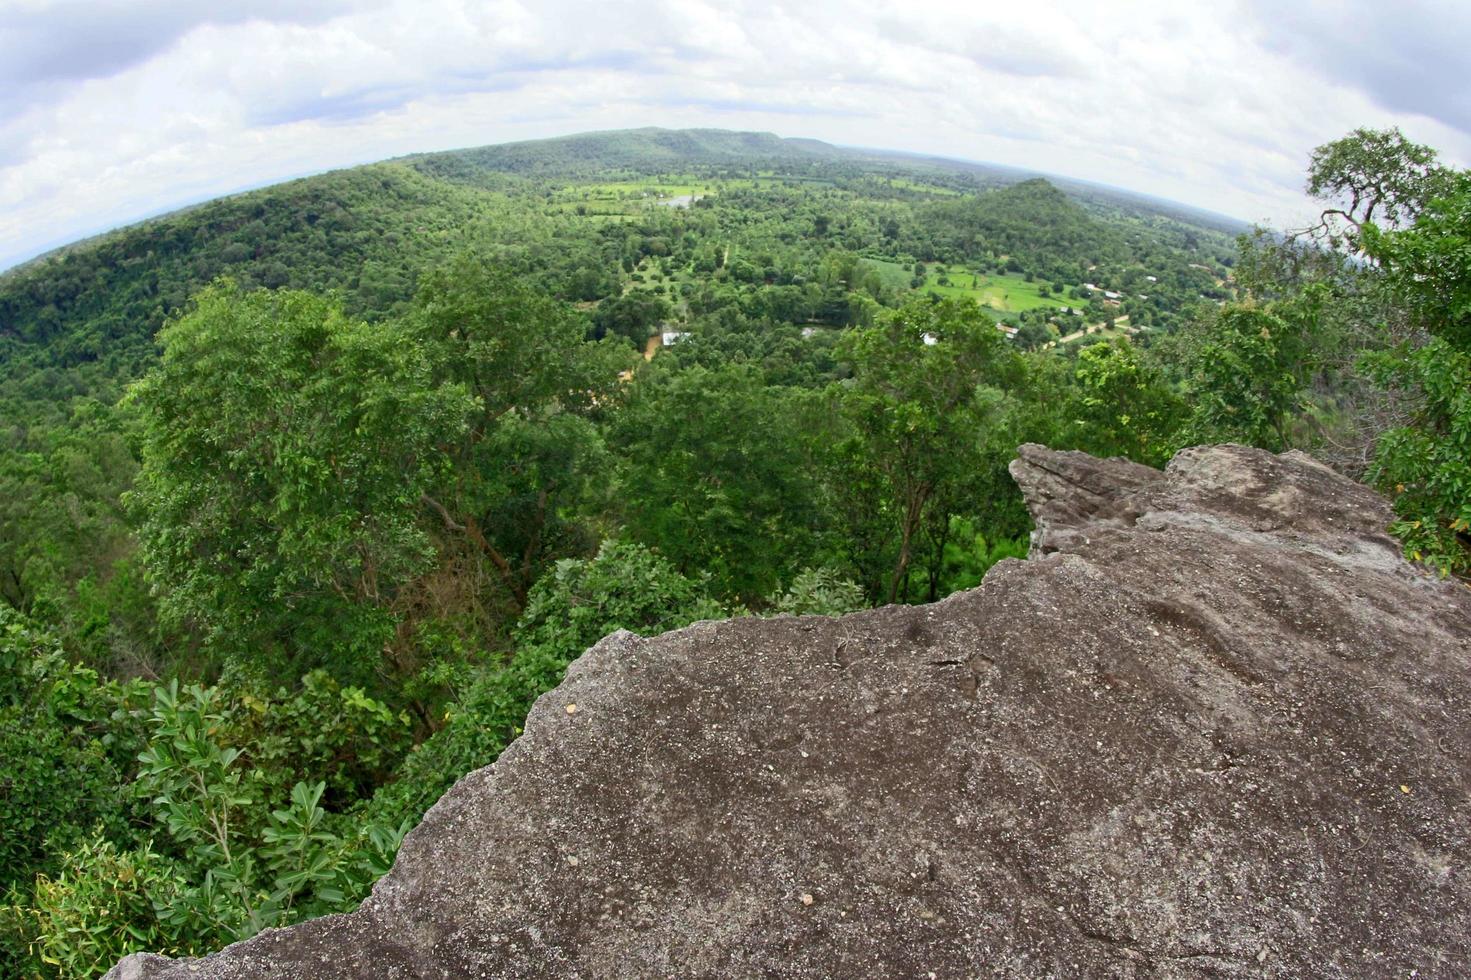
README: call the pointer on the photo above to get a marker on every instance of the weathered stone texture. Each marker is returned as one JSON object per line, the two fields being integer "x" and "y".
{"x": 1214, "y": 727}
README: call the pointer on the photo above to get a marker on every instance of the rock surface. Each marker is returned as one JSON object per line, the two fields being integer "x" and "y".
{"x": 1215, "y": 726}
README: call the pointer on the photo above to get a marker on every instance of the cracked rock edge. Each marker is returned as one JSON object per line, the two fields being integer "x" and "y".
{"x": 1214, "y": 726}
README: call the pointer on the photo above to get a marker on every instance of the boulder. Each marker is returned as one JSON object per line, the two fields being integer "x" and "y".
{"x": 1214, "y": 726}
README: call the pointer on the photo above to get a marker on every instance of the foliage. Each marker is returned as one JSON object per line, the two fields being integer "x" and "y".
{"x": 1248, "y": 376}
{"x": 338, "y": 734}
{"x": 1426, "y": 465}
{"x": 633, "y": 315}
{"x": 1125, "y": 406}
{"x": 917, "y": 411}
{"x": 625, "y": 586}
{"x": 713, "y": 476}
{"x": 258, "y": 866}
{"x": 1429, "y": 264}
{"x": 100, "y": 904}
{"x": 370, "y": 513}
{"x": 969, "y": 555}
{"x": 67, "y": 554}
{"x": 1373, "y": 176}
{"x": 819, "y": 592}
{"x": 528, "y": 454}
{"x": 285, "y": 451}
{"x": 63, "y": 753}
{"x": 1374, "y": 297}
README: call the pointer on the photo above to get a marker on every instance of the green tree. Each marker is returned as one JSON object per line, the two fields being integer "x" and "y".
{"x": 573, "y": 606}
{"x": 1425, "y": 464}
{"x": 1124, "y": 405}
{"x": 1383, "y": 280}
{"x": 917, "y": 408}
{"x": 714, "y": 476}
{"x": 285, "y": 450}
{"x": 101, "y": 904}
{"x": 1373, "y": 176}
{"x": 819, "y": 592}
{"x": 634, "y": 315}
{"x": 530, "y": 454}
{"x": 67, "y": 554}
{"x": 1248, "y": 377}
{"x": 63, "y": 762}
{"x": 1429, "y": 264}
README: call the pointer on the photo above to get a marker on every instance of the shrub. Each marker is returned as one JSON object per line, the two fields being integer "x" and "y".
{"x": 819, "y": 592}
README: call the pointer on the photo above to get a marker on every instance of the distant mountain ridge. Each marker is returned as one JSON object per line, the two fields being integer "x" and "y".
{"x": 91, "y": 309}
{"x": 654, "y": 149}
{"x": 634, "y": 148}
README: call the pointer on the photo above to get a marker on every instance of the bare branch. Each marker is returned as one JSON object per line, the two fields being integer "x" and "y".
{"x": 449, "y": 522}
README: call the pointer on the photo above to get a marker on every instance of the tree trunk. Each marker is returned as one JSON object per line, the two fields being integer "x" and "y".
{"x": 913, "y": 514}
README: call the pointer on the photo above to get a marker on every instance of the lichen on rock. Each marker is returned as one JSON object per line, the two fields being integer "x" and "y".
{"x": 1214, "y": 726}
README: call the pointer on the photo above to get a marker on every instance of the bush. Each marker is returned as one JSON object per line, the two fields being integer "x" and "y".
{"x": 65, "y": 739}
{"x": 322, "y": 730}
{"x": 626, "y": 586}
{"x": 101, "y": 904}
{"x": 819, "y": 592}
{"x": 1425, "y": 466}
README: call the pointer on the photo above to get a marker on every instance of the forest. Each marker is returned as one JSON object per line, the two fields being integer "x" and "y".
{"x": 308, "y": 493}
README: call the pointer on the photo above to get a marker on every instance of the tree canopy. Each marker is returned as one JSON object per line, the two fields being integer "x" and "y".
{"x": 284, "y": 554}
{"x": 285, "y": 448}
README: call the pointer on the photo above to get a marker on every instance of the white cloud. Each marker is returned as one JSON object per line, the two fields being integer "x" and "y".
{"x": 1216, "y": 105}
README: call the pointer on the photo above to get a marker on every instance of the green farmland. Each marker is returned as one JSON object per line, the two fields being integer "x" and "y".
{"x": 1006, "y": 293}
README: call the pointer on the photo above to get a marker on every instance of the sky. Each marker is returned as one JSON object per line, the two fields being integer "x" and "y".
{"x": 114, "y": 110}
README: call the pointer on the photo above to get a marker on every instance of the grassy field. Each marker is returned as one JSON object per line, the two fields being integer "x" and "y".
{"x": 905, "y": 183}
{"x": 1007, "y": 293}
{"x": 624, "y": 197}
{"x": 1099, "y": 331}
{"x": 628, "y": 196}
{"x": 892, "y": 274}
{"x": 1011, "y": 294}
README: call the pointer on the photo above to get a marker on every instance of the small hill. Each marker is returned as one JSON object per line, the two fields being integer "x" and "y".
{"x": 1033, "y": 222}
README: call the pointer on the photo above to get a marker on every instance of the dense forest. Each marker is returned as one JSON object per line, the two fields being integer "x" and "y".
{"x": 306, "y": 494}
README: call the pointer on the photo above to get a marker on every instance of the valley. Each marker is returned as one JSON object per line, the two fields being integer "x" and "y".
{"x": 308, "y": 493}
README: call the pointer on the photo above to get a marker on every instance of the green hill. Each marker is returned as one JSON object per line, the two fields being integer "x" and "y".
{"x": 644, "y": 150}
{"x": 744, "y": 239}
{"x": 308, "y": 493}
{"x": 1032, "y": 224}
{"x": 368, "y": 232}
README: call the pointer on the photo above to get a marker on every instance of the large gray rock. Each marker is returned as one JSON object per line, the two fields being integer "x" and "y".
{"x": 1214, "y": 727}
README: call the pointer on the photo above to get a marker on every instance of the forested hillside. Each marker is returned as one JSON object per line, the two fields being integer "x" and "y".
{"x": 307, "y": 493}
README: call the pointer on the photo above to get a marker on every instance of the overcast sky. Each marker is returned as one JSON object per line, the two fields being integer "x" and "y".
{"x": 113, "y": 110}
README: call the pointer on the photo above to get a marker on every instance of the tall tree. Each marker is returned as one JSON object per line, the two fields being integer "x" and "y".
{"x": 1384, "y": 276}
{"x": 918, "y": 409}
{"x": 1425, "y": 463}
{"x": 1372, "y": 176}
{"x": 530, "y": 451}
{"x": 1124, "y": 405}
{"x": 1248, "y": 376}
{"x": 714, "y": 477}
{"x": 285, "y": 450}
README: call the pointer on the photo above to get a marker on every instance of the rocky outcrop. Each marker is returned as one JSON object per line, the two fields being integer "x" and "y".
{"x": 1215, "y": 726}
